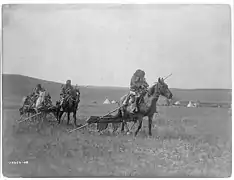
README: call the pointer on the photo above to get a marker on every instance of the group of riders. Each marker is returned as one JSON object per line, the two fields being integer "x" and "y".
{"x": 66, "y": 92}
{"x": 138, "y": 86}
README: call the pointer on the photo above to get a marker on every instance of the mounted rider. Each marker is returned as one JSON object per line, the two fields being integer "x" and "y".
{"x": 36, "y": 93}
{"x": 66, "y": 91}
{"x": 38, "y": 89}
{"x": 138, "y": 86}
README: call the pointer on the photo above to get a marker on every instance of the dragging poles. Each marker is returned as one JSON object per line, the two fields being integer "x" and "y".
{"x": 86, "y": 124}
{"x": 29, "y": 117}
{"x": 111, "y": 111}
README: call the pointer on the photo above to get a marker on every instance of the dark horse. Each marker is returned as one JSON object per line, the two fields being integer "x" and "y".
{"x": 26, "y": 106}
{"x": 70, "y": 104}
{"x": 147, "y": 105}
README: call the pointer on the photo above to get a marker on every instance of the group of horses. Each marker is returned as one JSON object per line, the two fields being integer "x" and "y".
{"x": 146, "y": 106}
{"x": 43, "y": 105}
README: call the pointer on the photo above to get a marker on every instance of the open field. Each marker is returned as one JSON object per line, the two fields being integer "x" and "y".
{"x": 186, "y": 141}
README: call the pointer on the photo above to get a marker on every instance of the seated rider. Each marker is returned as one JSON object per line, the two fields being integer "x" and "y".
{"x": 36, "y": 92}
{"x": 138, "y": 85}
{"x": 65, "y": 91}
{"x": 38, "y": 89}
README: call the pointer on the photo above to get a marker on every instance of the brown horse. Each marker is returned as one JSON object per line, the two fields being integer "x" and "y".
{"x": 147, "y": 105}
{"x": 69, "y": 105}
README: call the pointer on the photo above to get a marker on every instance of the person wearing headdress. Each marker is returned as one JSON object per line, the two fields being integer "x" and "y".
{"x": 138, "y": 85}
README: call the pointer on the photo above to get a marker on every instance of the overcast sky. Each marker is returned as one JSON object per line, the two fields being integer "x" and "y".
{"x": 104, "y": 44}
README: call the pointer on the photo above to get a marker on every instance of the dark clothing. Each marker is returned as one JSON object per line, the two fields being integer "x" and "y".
{"x": 66, "y": 89}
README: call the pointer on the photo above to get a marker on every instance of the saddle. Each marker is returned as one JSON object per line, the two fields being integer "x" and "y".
{"x": 134, "y": 99}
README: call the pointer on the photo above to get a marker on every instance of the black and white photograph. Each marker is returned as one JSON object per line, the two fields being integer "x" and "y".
{"x": 116, "y": 90}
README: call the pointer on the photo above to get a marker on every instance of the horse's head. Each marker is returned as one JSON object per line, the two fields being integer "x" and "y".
{"x": 21, "y": 110}
{"x": 25, "y": 101}
{"x": 162, "y": 88}
{"x": 48, "y": 96}
{"x": 75, "y": 94}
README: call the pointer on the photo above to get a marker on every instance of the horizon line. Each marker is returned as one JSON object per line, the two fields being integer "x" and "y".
{"x": 111, "y": 86}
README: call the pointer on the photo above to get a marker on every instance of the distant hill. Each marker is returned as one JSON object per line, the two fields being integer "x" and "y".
{"x": 17, "y": 86}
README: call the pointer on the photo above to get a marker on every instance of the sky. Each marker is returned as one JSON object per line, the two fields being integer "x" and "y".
{"x": 105, "y": 44}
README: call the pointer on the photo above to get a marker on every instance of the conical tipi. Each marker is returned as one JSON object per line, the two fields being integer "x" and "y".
{"x": 190, "y": 104}
{"x": 107, "y": 101}
{"x": 177, "y": 103}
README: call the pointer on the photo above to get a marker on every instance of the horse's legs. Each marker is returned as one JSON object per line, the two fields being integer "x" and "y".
{"x": 68, "y": 118}
{"x": 150, "y": 124}
{"x": 126, "y": 124}
{"x": 139, "y": 126}
{"x": 115, "y": 127}
{"x": 122, "y": 127}
{"x": 74, "y": 117}
{"x": 122, "y": 113}
{"x": 60, "y": 113}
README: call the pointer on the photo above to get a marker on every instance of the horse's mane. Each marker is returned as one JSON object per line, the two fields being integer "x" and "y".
{"x": 151, "y": 89}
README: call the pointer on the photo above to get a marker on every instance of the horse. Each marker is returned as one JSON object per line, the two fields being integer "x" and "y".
{"x": 27, "y": 102}
{"x": 43, "y": 100}
{"x": 146, "y": 105}
{"x": 70, "y": 104}
{"x": 47, "y": 106}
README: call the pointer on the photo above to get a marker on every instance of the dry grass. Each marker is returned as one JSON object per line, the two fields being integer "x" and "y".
{"x": 177, "y": 149}
{"x": 186, "y": 142}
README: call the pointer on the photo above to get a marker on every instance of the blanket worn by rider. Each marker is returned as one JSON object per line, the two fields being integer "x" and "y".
{"x": 37, "y": 96}
{"x": 138, "y": 85}
{"x": 65, "y": 92}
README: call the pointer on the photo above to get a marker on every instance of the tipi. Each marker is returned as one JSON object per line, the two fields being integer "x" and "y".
{"x": 190, "y": 104}
{"x": 113, "y": 101}
{"x": 107, "y": 101}
{"x": 177, "y": 103}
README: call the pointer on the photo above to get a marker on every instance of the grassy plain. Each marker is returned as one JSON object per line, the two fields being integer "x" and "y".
{"x": 186, "y": 142}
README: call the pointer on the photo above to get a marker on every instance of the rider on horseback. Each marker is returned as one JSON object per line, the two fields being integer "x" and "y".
{"x": 65, "y": 91}
{"x": 38, "y": 89}
{"x": 138, "y": 86}
{"x": 36, "y": 93}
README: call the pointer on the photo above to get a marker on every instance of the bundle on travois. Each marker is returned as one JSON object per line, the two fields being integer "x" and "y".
{"x": 103, "y": 121}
